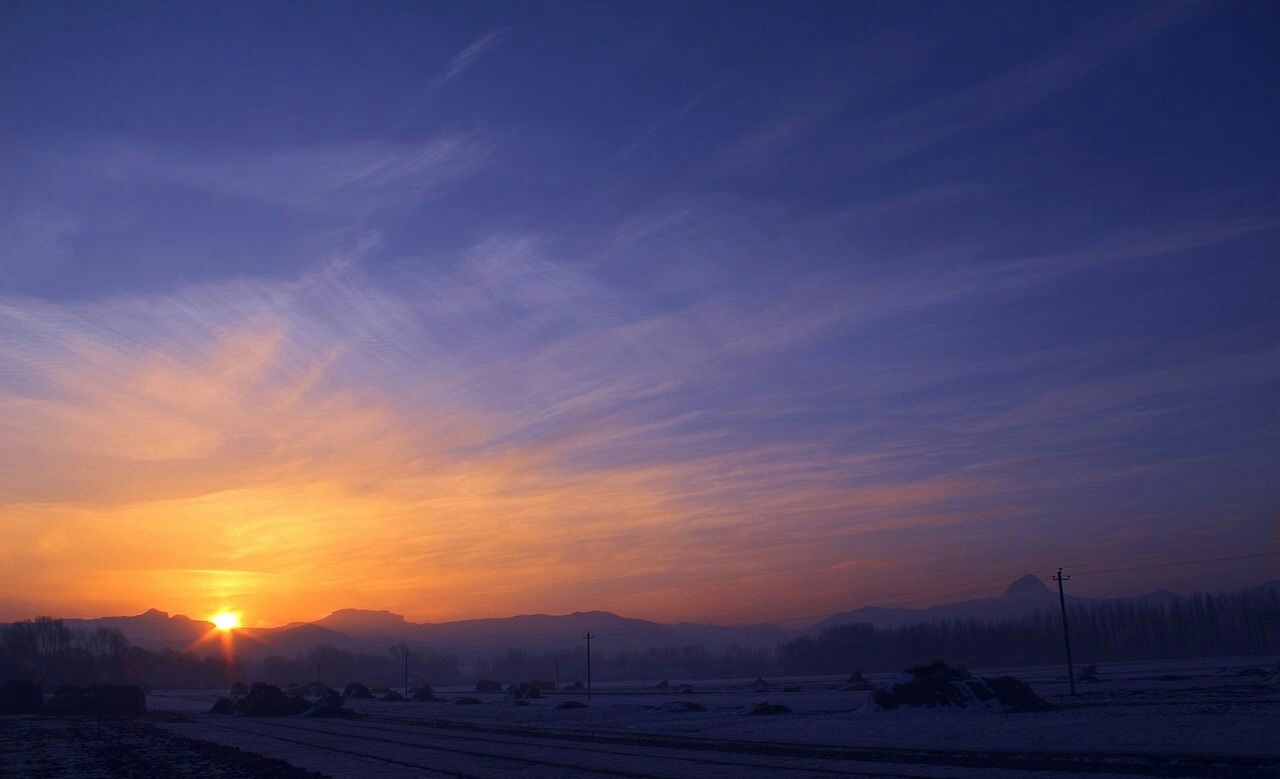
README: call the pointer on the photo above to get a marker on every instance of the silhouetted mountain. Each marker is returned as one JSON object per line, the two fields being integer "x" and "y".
{"x": 294, "y": 639}
{"x": 360, "y": 622}
{"x": 153, "y": 629}
{"x": 375, "y": 631}
{"x": 1023, "y": 598}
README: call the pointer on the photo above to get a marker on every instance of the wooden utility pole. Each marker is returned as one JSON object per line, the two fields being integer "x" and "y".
{"x": 588, "y": 637}
{"x": 404, "y": 652}
{"x": 1066, "y": 636}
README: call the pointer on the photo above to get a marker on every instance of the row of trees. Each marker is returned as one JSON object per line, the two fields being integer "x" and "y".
{"x": 1243, "y": 623}
{"x": 686, "y": 662}
{"x": 49, "y": 651}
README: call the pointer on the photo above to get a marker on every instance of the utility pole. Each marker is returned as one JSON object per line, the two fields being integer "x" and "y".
{"x": 1066, "y": 636}
{"x": 404, "y": 652}
{"x": 588, "y": 637}
{"x": 557, "y": 673}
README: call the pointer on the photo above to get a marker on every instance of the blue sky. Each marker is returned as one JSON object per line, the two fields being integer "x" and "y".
{"x": 648, "y": 306}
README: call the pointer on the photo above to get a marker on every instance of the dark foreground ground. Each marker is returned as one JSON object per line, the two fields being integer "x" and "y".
{"x": 89, "y": 747}
{"x": 1205, "y": 719}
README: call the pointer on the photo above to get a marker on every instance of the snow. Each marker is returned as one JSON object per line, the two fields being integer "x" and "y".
{"x": 1156, "y": 711}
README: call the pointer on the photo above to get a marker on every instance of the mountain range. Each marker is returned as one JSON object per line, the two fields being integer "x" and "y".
{"x": 375, "y": 631}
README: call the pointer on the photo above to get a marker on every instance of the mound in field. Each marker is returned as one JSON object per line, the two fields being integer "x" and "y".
{"x": 357, "y": 691}
{"x": 765, "y": 709}
{"x": 263, "y": 700}
{"x": 937, "y": 684}
{"x": 21, "y": 697}
{"x": 107, "y": 700}
{"x": 857, "y": 681}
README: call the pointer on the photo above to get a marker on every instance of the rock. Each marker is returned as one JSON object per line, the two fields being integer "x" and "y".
{"x": 488, "y": 685}
{"x": 357, "y": 691}
{"x": 239, "y": 689}
{"x": 19, "y": 696}
{"x": 937, "y": 684}
{"x": 571, "y": 705}
{"x": 107, "y": 700}
{"x": 770, "y": 708}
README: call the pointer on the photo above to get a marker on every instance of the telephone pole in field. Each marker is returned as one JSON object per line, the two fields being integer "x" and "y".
{"x": 588, "y": 637}
{"x": 1066, "y": 636}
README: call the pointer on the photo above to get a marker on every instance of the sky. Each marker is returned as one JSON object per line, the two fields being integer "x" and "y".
{"x": 686, "y": 311}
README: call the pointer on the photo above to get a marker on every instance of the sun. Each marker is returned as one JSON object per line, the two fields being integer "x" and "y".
{"x": 226, "y": 621}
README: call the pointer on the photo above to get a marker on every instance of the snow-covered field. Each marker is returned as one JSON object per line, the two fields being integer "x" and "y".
{"x": 1195, "y": 718}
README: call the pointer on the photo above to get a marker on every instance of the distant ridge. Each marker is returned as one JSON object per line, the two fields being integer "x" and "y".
{"x": 376, "y": 630}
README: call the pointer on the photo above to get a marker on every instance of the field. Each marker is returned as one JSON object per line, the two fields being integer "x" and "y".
{"x": 1205, "y": 718}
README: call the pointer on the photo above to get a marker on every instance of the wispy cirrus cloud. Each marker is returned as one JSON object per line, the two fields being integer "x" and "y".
{"x": 464, "y": 60}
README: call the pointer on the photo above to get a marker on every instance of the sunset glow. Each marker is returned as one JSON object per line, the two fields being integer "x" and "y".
{"x": 754, "y": 313}
{"x": 225, "y": 621}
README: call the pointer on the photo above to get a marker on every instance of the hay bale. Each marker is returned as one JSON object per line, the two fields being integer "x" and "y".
{"x": 106, "y": 700}
{"x": 267, "y": 700}
{"x": 330, "y": 705}
{"x": 766, "y": 709}
{"x": 524, "y": 690}
{"x": 938, "y": 685}
{"x": 19, "y": 696}
{"x": 357, "y": 691}
{"x": 223, "y": 706}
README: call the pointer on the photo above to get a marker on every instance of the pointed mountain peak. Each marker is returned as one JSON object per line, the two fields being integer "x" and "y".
{"x": 1026, "y": 585}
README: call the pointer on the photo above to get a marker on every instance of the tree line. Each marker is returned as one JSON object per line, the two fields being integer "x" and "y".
{"x": 1202, "y": 625}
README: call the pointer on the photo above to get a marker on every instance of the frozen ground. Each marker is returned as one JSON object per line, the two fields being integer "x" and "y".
{"x": 1196, "y": 718}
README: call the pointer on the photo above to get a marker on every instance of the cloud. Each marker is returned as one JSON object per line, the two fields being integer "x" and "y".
{"x": 351, "y": 179}
{"x": 468, "y": 57}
